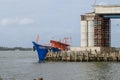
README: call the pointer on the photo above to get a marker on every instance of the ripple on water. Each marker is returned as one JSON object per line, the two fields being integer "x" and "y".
{"x": 23, "y": 65}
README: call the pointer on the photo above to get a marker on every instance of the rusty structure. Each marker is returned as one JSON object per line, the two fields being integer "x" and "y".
{"x": 102, "y": 31}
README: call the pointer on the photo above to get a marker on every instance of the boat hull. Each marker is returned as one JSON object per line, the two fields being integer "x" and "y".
{"x": 41, "y": 50}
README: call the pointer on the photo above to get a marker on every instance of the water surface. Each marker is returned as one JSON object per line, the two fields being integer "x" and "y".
{"x": 23, "y": 65}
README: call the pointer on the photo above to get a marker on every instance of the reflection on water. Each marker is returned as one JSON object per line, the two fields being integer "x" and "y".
{"x": 20, "y": 65}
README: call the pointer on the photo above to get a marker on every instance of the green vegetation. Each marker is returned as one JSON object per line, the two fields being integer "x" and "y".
{"x": 15, "y": 48}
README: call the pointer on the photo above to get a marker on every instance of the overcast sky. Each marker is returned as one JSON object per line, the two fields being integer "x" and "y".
{"x": 22, "y": 20}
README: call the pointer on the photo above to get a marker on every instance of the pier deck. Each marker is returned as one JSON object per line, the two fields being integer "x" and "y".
{"x": 83, "y": 56}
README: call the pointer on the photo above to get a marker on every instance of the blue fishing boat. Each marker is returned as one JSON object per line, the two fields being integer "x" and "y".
{"x": 42, "y": 50}
{"x": 55, "y": 46}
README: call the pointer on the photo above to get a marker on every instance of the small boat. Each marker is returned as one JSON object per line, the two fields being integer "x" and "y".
{"x": 56, "y": 46}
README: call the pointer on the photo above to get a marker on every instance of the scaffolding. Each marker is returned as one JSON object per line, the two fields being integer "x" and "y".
{"x": 101, "y": 31}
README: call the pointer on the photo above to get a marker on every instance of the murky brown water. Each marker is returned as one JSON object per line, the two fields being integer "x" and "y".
{"x": 23, "y": 65}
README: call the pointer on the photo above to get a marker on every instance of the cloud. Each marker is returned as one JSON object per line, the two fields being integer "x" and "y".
{"x": 5, "y": 22}
{"x": 16, "y": 21}
{"x": 26, "y": 21}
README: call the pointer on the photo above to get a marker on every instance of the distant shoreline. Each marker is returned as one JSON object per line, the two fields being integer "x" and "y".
{"x": 15, "y": 48}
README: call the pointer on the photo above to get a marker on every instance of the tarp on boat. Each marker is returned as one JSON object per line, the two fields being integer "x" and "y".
{"x": 55, "y": 49}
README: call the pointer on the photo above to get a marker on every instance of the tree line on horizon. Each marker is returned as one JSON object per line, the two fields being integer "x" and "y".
{"x": 15, "y": 48}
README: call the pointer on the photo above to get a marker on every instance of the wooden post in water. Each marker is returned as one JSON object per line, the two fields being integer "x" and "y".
{"x": 119, "y": 55}
{"x": 75, "y": 56}
{"x": 40, "y": 78}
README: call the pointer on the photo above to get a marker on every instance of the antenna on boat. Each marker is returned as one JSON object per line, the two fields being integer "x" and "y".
{"x": 37, "y": 38}
{"x": 67, "y": 40}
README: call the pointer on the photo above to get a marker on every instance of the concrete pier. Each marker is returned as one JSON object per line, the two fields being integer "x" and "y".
{"x": 85, "y": 56}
